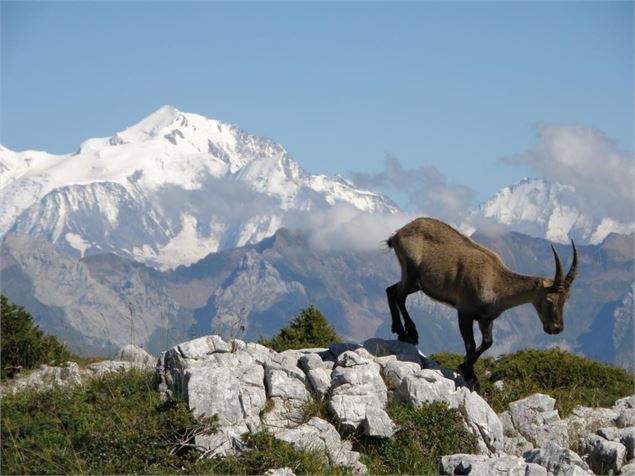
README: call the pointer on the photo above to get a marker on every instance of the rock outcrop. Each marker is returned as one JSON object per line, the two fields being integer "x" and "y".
{"x": 249, "y": 388}
{"x": 129, "y": 357}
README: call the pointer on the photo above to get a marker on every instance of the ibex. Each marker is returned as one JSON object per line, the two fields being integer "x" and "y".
{"x": 451, "y": 268}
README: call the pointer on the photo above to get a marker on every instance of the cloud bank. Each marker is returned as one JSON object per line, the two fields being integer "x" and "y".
{"x": 426, "y": 189}
{"x": 602, "y": 174}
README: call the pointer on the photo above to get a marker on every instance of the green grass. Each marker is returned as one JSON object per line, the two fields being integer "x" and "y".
{"x": 424, "y": 435}
{"x": 118, "y": 425}
{"x": 570, "y": 379}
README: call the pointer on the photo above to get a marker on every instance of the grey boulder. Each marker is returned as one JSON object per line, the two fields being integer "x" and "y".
{"x": 358, "y": 395}
{"x": 603, "y": 456}
{"x": 482, "y": 465}
{"x": 558, "y": 461}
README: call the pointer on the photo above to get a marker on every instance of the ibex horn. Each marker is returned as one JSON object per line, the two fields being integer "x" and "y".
{"x": 557, "y": 281}
{"x": 574, "y": 267}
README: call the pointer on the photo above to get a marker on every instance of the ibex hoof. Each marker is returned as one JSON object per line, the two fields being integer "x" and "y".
{"x": 408, "y": 339}
{"x": 474, "y": 385}
{"x": 470, "y": 378}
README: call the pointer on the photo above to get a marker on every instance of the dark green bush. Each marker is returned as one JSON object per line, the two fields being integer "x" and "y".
{"x": 570, "y": 379}
{"x": 23, "y": 345}
{"x": 425, "y": 434}
{"x": 308, "y": 329}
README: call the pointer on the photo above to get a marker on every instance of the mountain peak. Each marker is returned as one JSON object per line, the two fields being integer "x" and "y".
{"x": 153, "y": 125}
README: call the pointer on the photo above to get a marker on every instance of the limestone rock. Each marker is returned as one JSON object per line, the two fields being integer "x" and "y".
{"x": 626, "y": 402}
{"x": 627, "y": 438}
{"x": 377, "y": 423}
{"x": 535, "y": 419}
{"x": 358, "y": 392}
{"x": 585, "y": 420}
{"x": 280, "y": 472}
{"x": 226, "y": 379}
{"x": 320, "y": 435}
{"x": 625, "y": 407}
{"x": 557, "y": 460}
{"x": 99, "y": 369}
{"x": 604, "y": 457}
{"x": 628, "y": 469}
{"x": 426, "y": 386}
{"x": 481, "y": 465}
{"x": 133, "y": 353}
{"x": 47, "y": 376}
{"x": 287, "y": 390}
{"x": 320, "y": 380}
{"x": 395, "y": 370}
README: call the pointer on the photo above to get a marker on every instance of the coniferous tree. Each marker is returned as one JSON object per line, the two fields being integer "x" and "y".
{"x": 308, "y": 329}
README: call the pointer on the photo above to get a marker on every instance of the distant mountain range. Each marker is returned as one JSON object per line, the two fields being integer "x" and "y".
{"x": 100, "y": 302}
{"x": 183, "y": 225}
{"x": 539, "y": 208}
{"x": 178, "y": 186}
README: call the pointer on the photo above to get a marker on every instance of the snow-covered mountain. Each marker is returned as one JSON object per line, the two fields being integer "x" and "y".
{"x": 544, "y": 210}
{"x": 166, "y": 191}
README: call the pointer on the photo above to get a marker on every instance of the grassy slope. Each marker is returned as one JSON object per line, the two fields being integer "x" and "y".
{"x": 570, "y": 379}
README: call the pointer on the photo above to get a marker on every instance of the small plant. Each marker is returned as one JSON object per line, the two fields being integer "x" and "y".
{"x": 308, "y": 329}
{"x": 424, "y": 435}
{"x": 316, "y": 407}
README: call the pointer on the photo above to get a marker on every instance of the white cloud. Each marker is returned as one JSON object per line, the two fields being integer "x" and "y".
{"x": 426, "y": 189}
{"x": 602, "y": 174}
{"x": 346, "y": 228}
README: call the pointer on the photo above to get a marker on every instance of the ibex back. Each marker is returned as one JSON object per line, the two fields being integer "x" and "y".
{"x": 451, "y": 268}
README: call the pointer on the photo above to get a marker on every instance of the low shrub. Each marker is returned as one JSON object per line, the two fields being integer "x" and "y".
{"x": 570, "y": 379}
{"x": 424, "y": 435}
{"x": 23, "y": 345}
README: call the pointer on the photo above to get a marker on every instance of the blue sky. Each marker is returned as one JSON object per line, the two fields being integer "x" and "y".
{"x": 453, "y": 85}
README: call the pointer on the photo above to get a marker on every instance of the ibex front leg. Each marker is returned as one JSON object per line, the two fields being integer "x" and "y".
{"x": 486, "y": 332}
{"x": 466, "y": 323}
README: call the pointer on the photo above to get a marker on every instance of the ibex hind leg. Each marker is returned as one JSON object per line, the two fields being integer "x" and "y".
{"x": 397, "y": 326}
{"x": 412, "y": 336}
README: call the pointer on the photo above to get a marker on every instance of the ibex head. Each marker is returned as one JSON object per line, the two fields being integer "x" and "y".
{"x": 550, "y": 298}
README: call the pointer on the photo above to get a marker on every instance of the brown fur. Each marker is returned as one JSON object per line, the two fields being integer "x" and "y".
{"x": 453, "y": 269}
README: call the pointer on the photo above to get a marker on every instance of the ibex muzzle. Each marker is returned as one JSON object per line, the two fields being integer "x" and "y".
{"x": 451, "y": 268}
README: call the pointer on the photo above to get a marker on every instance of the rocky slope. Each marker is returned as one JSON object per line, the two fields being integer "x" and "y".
{"x": 250, "y": 387}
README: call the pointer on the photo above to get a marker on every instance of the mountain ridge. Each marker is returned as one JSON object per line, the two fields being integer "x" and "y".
{"x": 201, "y": 185}
{"x": 261, "y": 286}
